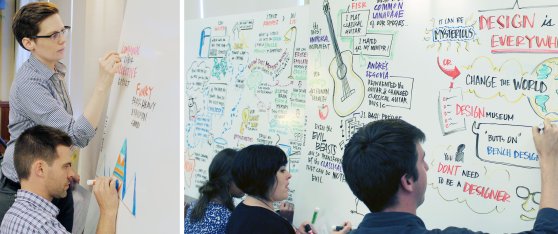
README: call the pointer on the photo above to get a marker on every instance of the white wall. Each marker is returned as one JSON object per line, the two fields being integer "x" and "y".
{"x": 96, "y": 27}
{"x": 191, "y": 9}
{"x": 6, "y": 50}
{"x": 211, "y": 8}
{"x": 103, "y": 23}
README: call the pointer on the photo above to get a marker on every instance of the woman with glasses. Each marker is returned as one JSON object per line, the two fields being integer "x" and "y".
{"x": 38, "y": 95}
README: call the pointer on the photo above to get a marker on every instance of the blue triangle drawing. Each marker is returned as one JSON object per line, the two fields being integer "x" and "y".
{"x": 134, "y": 200}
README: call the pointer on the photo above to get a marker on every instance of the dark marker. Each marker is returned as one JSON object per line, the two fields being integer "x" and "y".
{"x": 308, "y": 229}
{"x": 338, "y": 228}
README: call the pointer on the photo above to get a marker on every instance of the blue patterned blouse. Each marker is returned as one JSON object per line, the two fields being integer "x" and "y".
{"x": 214, "y": 221}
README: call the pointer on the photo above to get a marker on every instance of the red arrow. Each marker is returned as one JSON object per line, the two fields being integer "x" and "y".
{"x": 453, "y": 73}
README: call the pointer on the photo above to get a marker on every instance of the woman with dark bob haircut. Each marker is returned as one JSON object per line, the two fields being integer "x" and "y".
{"x": 260, "y": 171}
{"x": 211, "y": 212}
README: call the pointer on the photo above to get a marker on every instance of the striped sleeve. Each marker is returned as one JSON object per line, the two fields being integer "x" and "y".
{"x": 39, "y": 105}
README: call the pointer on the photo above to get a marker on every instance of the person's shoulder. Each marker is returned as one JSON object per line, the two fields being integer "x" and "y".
{"x": 254, "y": 212}
{"x": 28, "y": 70}
{"x": 14, "y": 224}
{"x": 217, "y": 214}
{"x": 547, "y": 220}
{"x": 259, "y": 224}
{"x": 455, "y": 230}
{"x": 550, "y": 212}
{"x": 218, "y": 209}
{"x": 52, "y": 226}
{"x": 273, "y": 222}
{"x": 241, "y": 208}
{"x": 27, "y": 77}
{"x": 28, "y": 86}
{"x": 25, "y": 218}
{"x": 399, "y": 223}
{"x": 256, "y": 216}
{"x": 411, "y": 229}
{"x": 28, "y": 212}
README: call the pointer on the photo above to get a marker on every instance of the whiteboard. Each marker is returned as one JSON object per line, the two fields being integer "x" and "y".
{"x": 455, "y": 69}
{"x": 245, "y": 83}
{"x": 140, "y": 143}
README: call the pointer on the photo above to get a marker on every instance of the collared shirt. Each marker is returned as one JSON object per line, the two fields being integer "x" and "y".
{"x": 31, "y": 213}
{"x": 401, "y": 222}
{"x": 38, "y": 97}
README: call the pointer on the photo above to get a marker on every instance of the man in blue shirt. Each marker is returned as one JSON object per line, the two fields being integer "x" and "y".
{"x": 385, "y": 168}
{"x": 43, "y": 161}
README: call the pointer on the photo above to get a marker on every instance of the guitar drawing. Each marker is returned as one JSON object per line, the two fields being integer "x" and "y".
{"x": 348, "y": 87}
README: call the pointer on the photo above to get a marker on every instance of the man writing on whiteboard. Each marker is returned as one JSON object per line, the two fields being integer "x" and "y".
{"x": 38, "y": 95}
{"x": 43, "y": 162}
{"x": 385, "y": 168}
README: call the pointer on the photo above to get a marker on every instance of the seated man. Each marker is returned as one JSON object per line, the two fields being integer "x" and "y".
{"x": 385, "y": 168}
{"x": 42, "y": 159}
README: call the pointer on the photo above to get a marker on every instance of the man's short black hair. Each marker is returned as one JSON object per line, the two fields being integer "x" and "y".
{"x": 37, "y": 143}
{"x": 255, "y": 169}
{"x": 376, "y": 158}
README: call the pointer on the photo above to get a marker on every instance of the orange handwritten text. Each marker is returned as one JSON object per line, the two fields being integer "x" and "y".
{"x": 144, "y": 91}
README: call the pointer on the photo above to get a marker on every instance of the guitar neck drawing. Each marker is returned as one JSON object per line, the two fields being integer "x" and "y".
{"x": 290, "y": 32}
{"x": 348, "y": 89}
{"x": 342, "y": 69}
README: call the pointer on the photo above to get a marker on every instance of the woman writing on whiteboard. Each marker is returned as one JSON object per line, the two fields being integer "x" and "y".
{"x": 260, "y": 171}
{"x": 211, "y": 212}
{"x": 38, "y": 95}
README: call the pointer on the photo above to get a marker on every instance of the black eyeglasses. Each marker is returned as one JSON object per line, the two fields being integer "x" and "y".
{"x": 523, "y": 192}
{"x": 56, "y": 35}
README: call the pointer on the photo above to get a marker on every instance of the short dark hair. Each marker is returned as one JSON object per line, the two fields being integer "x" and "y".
{"x": 255, "y": 169}
{"x": 217, "y": 186}
{"x": 376, "y": 158}
{"x": 37, "y": 143}
{"x": 27, "y": 19}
